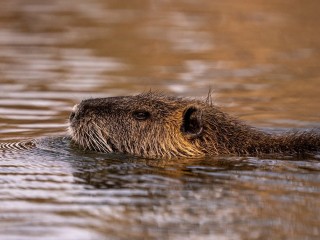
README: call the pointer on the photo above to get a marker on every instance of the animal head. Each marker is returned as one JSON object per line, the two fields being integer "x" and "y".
{"x": 149, "y": 125}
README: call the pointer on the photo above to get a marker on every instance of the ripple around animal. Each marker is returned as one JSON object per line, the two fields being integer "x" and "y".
{"x": 21, "y": 145}
{"x": 49, "y": 182}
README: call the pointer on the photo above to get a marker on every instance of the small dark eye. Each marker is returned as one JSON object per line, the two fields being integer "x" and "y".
{"x": 141, "y": 115}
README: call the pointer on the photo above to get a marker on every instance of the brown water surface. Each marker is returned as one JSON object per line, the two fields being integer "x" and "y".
{"x": 260, "y": 58}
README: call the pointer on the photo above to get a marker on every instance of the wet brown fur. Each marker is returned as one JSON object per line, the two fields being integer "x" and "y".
{"x": 175, "y": 127}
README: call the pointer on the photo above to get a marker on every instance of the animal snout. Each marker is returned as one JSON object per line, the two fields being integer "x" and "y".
{"x": 74, "y": 112}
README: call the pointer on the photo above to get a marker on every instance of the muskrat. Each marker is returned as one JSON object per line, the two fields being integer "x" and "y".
{"x": 154, "y": 125}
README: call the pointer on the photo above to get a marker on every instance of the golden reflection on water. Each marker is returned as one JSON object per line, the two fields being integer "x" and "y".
{"x": 260, "y": 58}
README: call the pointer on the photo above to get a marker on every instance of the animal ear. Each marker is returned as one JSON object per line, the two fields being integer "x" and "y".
{"x": 192, "y": 123}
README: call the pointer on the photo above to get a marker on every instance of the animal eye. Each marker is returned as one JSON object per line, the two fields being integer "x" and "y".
{"x": 141, "y": 115}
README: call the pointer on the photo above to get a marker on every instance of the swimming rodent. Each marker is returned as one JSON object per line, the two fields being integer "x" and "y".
{"x": 154, "y": 125}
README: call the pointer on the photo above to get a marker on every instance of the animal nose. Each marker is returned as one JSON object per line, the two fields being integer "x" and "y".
{"x": 73, "y": 112}
{"x": 75, "y": 108}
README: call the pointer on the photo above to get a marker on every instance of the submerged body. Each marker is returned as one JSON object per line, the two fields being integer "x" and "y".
{"x": 158, "y": 126}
